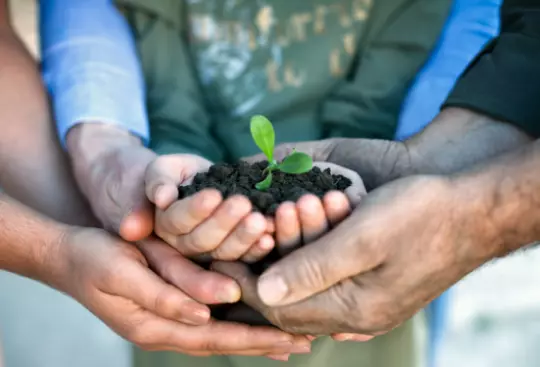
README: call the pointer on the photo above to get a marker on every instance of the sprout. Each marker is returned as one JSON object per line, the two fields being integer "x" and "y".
{"x": 264, "y": 136}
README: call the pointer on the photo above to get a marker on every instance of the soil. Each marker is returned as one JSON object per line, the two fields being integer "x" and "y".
{"x": 240, "y": 178}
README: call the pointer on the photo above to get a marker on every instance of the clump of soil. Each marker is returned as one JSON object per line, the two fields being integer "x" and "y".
{"x": 240, "y": 179}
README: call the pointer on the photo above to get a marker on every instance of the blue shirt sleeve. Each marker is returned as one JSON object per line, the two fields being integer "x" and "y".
{"x": 91, "y": 67}
{"x": 471, "y": 24}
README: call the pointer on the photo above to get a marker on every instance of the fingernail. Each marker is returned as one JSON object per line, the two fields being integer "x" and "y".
{"x": 200, "y": 317}
{"x": 345, "y": 337}
{"x": 282, "y": 357}
{"x": 229, "y": 294}
{"x": 284, "y": 345}
{"x": 272, "y": 289}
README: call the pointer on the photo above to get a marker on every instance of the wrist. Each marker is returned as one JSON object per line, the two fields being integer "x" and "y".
{"x": 53, "y": 262}
{"x": 376, "y": 161}
{"x": 471, "y": 208}
{"x": 29, "y": 244}
{"x": 88, "y": 141}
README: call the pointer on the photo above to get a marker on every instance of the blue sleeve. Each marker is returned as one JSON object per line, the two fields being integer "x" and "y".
{"x": 91, "y": 67}
{"x": 470, "y": 26}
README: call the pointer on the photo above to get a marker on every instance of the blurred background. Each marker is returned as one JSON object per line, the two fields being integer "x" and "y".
{"x": 494, "y": 317}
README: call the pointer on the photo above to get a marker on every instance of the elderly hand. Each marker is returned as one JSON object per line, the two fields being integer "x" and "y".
{"x": 402, "y": 247}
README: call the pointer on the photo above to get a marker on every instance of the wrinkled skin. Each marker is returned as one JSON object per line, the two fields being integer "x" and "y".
{"x": 365, "y": 276}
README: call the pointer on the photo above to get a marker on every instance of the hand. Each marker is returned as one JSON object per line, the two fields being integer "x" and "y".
{"x": 376, "y": 161}
{"x": 309, "y": 218}
{"x": 113, "y": 280}
{"x": 204, "y": 223}
{"x": 406, "y": 244}
{"x": 306, "y": 220}
{"x": 109, "y": 165}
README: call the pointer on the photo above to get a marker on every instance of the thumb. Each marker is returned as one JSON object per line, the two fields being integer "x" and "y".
{"x": 318, "y": 150}
{"x": 138, "y": 224}
{"x": 168, "y": 172}
{"x": 315, "y": 268}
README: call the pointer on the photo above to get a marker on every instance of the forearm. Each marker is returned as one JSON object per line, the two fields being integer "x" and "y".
{"x": 455, "y": 140}
{"x": 507, "y": 190}
{"x": 458, "y": 139}
{"x": 33, "y": 169}
{"x": 28, "y": 242}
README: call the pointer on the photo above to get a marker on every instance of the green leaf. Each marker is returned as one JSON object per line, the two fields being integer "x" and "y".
{"x": 296, "y": 163}
{"x": 263, "y": 134}
{"x": 265, "y": 184}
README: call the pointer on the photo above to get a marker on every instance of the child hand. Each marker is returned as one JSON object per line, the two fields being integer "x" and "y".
{"x": 309, "y": 218}
{"x": 204, "y": 223}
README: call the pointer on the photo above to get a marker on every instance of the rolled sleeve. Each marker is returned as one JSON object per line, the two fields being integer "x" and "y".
{"x": 91, "y": 67}
{"x": 504, "y": 79}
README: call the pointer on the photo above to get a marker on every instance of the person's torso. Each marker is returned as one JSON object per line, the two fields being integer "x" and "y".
{"x": 278, "y": 58}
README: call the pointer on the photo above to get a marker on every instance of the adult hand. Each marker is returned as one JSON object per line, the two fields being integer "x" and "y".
{"x": 376, "y": 161}
{"x": 109, "y": 165}
{"x": 402, "y": 247}
{"x": 113, "y": 280}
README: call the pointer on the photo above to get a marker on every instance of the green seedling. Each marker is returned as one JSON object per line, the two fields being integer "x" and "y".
{"x": 264, "y": 136}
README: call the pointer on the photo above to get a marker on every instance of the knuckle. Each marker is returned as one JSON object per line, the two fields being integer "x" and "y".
{"x": 199, "y": 243}
{"x": 166, "y": 304}
{"x": 310, "y": 274}
{"x": 109, "y": 276}
{"x": 138, "y": 335}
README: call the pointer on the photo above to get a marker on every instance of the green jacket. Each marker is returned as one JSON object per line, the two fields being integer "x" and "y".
{"x": 316, "y": 68}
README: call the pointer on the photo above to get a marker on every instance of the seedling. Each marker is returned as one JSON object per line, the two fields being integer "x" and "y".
{"x": 264, "y": 136}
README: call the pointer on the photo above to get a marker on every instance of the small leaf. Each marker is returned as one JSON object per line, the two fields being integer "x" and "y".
{"x": 263, "y": 134}
{"x": 296, "y": 163}
{"x": 265, "y": 184}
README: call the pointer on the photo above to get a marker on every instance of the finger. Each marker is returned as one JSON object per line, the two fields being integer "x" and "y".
{"x": 244, "y": 236}
{"x": 356, "y": 190}
{"x": 212, "y": 232}
{"x": 312, "y": 217}
{"x": 338, "y": 255}
{"x": 352, "y": 337}
{"x": 279, "y": 357}
{"x": 168, "y": 172}
{"x": 270, "y": 225}
{"x": 203, "y": 286}
{"x": 319, "y": 150}
{"x": 185, "y": 215}
{"x": 258, "y": 251}
{"x": 245, "y": 279}
{"x": 146, "y": 289}
{"x": 335, "y": 311}
{"x": 288, "y": 230}
{"x": 225, "y": 338}
{"x": 336, "y": 206}
{"x": 138, "y": 223}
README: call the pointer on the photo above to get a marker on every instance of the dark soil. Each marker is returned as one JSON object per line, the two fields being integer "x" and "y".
{"x": 240, "y": 178}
